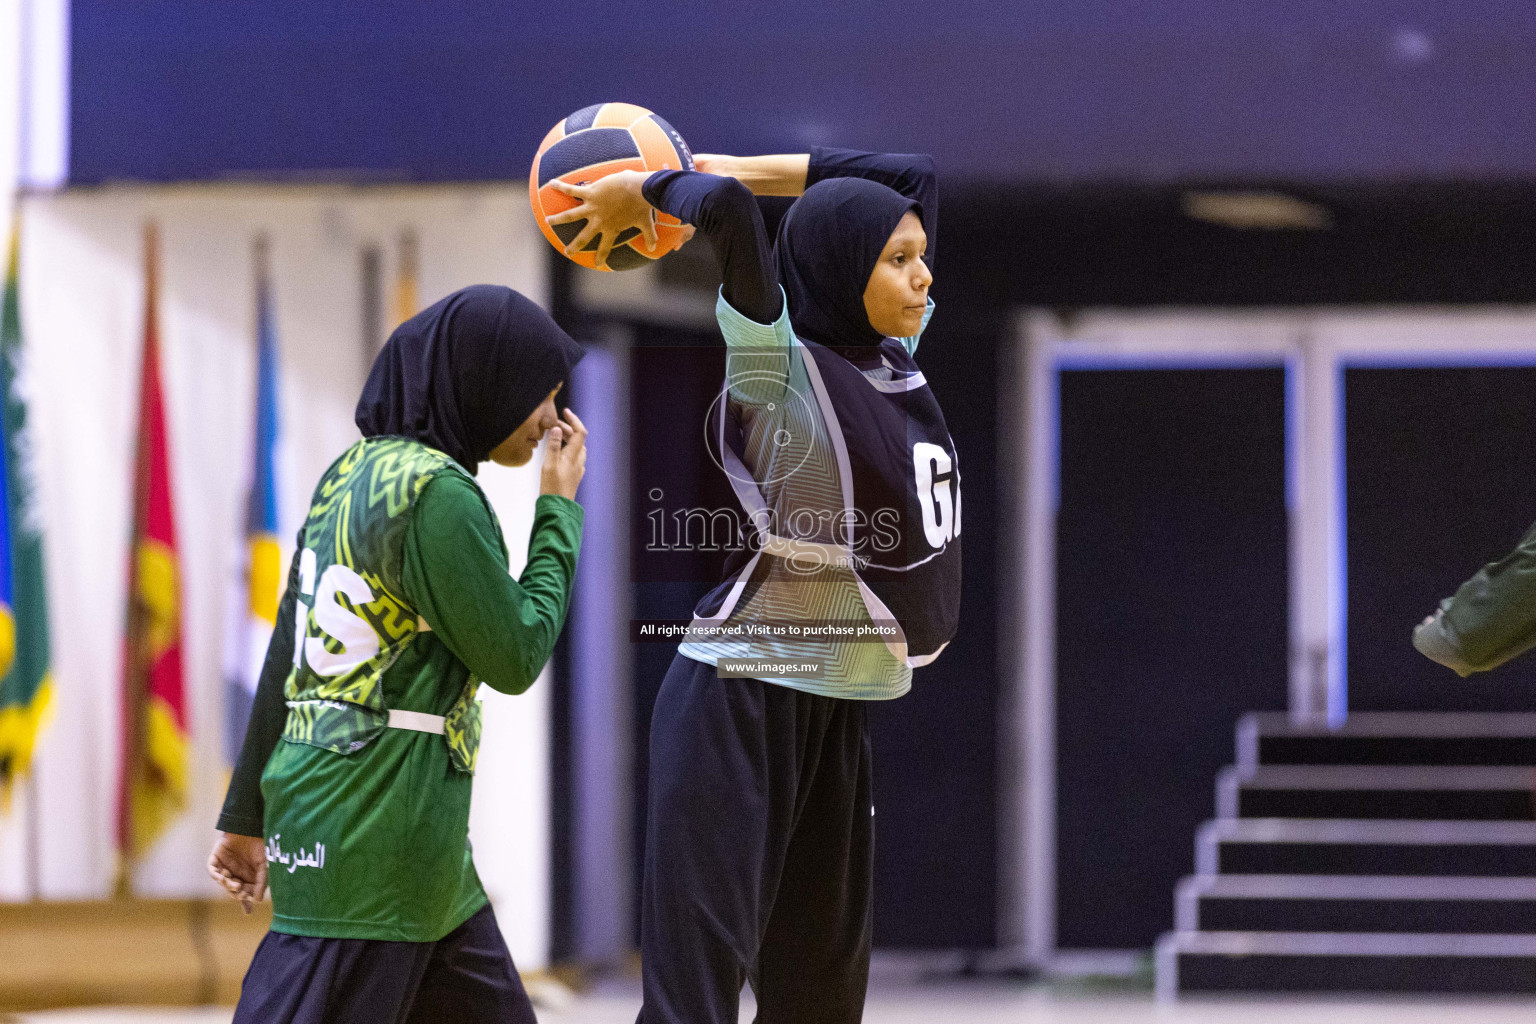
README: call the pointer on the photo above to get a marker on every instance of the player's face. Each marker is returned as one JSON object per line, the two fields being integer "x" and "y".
{"x": 897, "y": 292}
{"x": 518, "y": 449}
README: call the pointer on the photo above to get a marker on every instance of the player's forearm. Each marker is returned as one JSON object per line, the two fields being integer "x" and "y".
{"x": 454, "y": 572}
{"x": 779, "y": 174}
{"x": 1435, "y": 639}
{"x": 545, "y": 586}
{"x": 1491, "y": 618}
{"x": 724, "y": 211}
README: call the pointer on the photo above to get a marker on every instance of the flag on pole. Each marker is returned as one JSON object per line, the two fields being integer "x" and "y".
{"x": 259, "y": 584}
{"x": 153, "y": 787}
{"x": 406, "y": 303}
{"x": 25, "y": 683}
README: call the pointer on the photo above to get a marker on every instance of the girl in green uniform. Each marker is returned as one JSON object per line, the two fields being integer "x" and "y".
{"x": 351, "y": 793}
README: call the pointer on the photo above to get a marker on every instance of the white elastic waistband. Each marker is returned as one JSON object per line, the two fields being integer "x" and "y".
{"x": 416, "y": 721}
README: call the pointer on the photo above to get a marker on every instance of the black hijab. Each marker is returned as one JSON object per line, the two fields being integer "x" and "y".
{"x": 465, "y": 372}
{"x": 828, "y": 244}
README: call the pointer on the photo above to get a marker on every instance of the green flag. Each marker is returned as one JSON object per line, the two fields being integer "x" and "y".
{"x": 25, "y": 682}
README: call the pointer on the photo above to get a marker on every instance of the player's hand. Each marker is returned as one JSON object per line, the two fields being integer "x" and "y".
{"x": 565, "y": 456}
{"x": 239, "y": 864}
{"x": 610, "y": 205}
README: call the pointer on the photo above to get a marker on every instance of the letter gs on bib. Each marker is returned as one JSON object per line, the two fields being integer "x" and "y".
{"x": 358, "y": 640}
{"x": 938, "y": 492}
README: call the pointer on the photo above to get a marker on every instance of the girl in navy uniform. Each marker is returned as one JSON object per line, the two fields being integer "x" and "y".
{"x": 759, "y": 847}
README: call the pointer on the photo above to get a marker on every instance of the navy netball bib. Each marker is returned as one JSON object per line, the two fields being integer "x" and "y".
{"x": 895, "y": 523}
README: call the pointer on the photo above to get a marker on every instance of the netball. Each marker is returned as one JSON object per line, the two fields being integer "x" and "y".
{"x": 593, "y": 142}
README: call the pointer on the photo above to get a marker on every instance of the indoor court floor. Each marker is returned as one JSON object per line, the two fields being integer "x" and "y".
{"x": 972, "y": 1003}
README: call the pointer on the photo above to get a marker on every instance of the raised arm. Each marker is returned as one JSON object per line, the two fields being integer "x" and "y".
{"x": 790, "y": 174}
{"x": 778, "y": 174}
{"x": 722, "y": 208}
{"x": 911, "y": 174}
{"x": 455, "y": 573}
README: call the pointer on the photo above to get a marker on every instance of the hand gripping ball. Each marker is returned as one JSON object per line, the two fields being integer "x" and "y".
{"x": 599, "y": 140}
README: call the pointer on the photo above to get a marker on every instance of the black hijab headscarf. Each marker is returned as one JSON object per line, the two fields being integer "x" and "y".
{"x": 828, "y": 244}
{"x": 465, "y": 372}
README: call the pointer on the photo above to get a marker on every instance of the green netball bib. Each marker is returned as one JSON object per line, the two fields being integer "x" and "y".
{"x": 354, "y": 622}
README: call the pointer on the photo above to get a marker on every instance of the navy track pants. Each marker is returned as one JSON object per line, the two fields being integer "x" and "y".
{"x": 466, "y": 977}
{"x": 759, "y": 853}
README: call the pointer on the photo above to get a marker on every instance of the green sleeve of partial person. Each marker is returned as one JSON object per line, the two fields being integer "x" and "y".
{"x": 455, "y": 573}
{"x": 1490, "y": 619}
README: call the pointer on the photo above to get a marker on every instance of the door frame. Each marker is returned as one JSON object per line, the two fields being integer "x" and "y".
{"x": 1314, "y": 346}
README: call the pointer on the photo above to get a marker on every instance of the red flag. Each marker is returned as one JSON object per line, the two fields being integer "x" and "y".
{"x": 153, "y": 786}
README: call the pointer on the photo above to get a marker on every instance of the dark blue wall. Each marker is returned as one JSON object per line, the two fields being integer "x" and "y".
{"x": 1440, "y": 479}
{"x": 464, "y": 89}
{"x": 1170, "y": 624}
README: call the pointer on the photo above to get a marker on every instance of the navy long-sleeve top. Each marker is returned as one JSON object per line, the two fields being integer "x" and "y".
{"x": 725, "y": 211}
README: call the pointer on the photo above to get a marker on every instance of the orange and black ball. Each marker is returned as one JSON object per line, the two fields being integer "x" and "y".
{"x": 595, "y": 141}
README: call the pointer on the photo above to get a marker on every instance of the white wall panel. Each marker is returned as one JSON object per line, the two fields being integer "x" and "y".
{"x": 83, "y": 297}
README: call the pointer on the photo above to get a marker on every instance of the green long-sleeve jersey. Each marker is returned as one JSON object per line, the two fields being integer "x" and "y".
{"x": 1490, "y": 619}
{"x": 398, "y": 599}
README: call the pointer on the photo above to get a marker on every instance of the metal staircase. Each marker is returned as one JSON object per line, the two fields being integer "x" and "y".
{"x": 1396, "y": 853}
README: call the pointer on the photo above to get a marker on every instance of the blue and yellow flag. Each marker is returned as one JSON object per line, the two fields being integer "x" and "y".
{"x": 25, "y": 683}
{"x": 262, "y": 563}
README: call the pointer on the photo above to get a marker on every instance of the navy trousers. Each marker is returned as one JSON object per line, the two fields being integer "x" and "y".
{"x": 466, "y": 977}
{"x": 759, "y": 853}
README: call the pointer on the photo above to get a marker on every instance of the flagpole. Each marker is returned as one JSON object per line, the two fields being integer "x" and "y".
{"x": 34, "y": 857}
{"x": 261, "y": 249}
{"x": 134, "y": 682}
{"x": 406, "y": 301}
{"x": 372, "y": 267}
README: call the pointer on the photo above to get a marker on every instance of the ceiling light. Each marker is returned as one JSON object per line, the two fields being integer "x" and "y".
{"x": 1257, "y": 211}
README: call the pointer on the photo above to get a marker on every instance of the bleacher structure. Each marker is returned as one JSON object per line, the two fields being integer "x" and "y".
{"x": 1394, "y": 853}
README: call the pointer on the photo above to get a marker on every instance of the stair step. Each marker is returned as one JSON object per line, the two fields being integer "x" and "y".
{"x": 1189, "y": 962}
{"x": 1341, "y": 846}
{"x": 1460, "y": 793}
{"x": 1355, "y": 903}
{"x": 1389, "y": 738}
